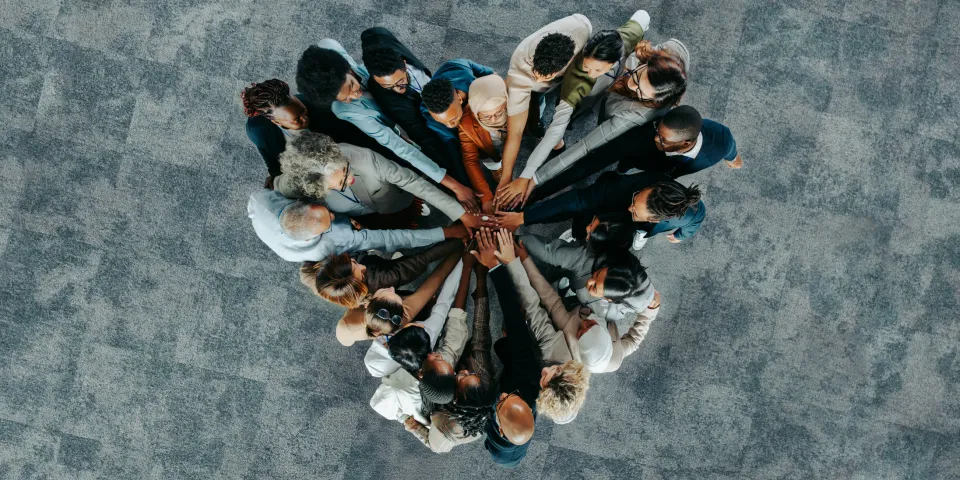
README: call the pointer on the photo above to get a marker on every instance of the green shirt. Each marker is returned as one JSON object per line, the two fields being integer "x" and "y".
{"x": 577, "y": 84}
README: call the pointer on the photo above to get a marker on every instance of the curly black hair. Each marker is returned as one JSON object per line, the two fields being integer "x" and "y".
{"x": 552, "y": 54}
{"x": 320, "y": 74}
{"x": 382, "y": 61}
{"x": 671, "y": 199}
{"x": 437, "y": 95}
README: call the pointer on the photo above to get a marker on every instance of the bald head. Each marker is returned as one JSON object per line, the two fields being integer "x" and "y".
{"x": 516, "y": 419}
{"x": 303, "y": 220}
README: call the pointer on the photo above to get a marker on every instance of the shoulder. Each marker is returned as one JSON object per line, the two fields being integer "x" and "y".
{"x": 258, "y": 128}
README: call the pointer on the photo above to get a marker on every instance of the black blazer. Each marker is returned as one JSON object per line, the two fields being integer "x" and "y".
{"x": 404, "y": 109}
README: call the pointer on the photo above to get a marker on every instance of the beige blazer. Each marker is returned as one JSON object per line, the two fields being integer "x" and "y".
{"x": 383, "y": 185}
{"x": 520, "y": 80}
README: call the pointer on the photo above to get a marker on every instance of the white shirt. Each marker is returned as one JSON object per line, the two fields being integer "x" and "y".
{"x": 378, "y": 361}
{"x": 693, "y": 152}
{"x": 418, "y": 78}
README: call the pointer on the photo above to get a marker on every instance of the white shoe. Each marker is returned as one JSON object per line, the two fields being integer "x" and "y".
{"x": 567, "y": 236}
{"x": 639, "y": 240}
{"x": 424, "y": 210}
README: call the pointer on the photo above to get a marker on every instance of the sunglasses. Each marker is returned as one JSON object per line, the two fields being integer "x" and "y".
{"x": 384, "y": 314}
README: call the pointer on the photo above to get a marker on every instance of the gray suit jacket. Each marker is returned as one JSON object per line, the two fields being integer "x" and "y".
{"x": 383, "y": 185}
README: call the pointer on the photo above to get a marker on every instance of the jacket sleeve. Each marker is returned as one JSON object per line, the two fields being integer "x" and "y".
{"x": 388, "y": 138}
{"x": 632, "y": 32}
{"x": 549, "y": 298}
{"x": 520, "y": 341}
{"x": 438, "y": 315}
{"x": 631, "y": 340}
{"x": 730, "y": 144}
{"x": 606, "y": 131}
{"x": 553, "y": 135}
{"x": 454, "y": 336}
{"x": 555, "y": 209}
{"x": 394, "y": 174}
{"x": 694, "y": 218}
{"x": 437, "y": 278}
{"x": 537, "y": 317}
{"x": 392, "y": 240}
{"x": 471, "y": 163}
{"x": 403, "y": 270}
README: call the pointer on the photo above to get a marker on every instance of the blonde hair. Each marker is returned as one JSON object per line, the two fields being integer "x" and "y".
{"x": 308, "y": 160}
{"x": 565, "y": 393}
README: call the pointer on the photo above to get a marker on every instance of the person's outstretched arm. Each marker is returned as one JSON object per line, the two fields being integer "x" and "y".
{"x": 415, "y": 302}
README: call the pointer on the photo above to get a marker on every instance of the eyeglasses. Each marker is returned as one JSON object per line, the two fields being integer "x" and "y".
{"x": 346, "y": 176}
{"x": 656, "y": 135}
{"x": 384, "y": 314}
{"x": 635, "y": 74}
{"x": 401, "y": 85}
{"x": 492, "y": 118}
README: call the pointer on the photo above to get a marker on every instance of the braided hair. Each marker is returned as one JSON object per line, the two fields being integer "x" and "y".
{"x": 672, "y": 199}
{"x": 472, "y": 412}
{"x": 263, "y": 98}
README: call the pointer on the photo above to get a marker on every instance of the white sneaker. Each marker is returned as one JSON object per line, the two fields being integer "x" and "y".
{"x": 567, "y": 236}
{"x": 639, "y": 240}
{"x": 424, "y": 210}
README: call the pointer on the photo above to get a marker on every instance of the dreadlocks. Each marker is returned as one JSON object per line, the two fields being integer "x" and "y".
{"x": 671, "y": 199}
{"x": 471, "y": 418}
{"x": 263, "y": 98}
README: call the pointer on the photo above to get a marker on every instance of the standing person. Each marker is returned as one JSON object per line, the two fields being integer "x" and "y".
{"x": 382, "y": 312}
{"x": 398, "y": 78}
{"x": 652, "y": 82}
{"x": 612, "y": 285}
{"x": 511, "y": 424}
{"x": 681, "y": 143}
{"x": 482, "y": 130}
{"x": 299, "y": 231}
{"x": 655, "y": 203}
{"x": 407, "y": 340}
{"x": 445, "y": 97}
{"x": 463, "y": 420}
{"x": 563, "y": 382}
{"x": 356, "y": 181}
{"x": 347, "y": 282}
{"x": 327, "y": 75}
{"x": 412, "y": 393}
{"x": 572, "y": 335}
{"x": 584, "y": 83}
{"x": 536, "y": 66}
{"x": 274, "y": 116}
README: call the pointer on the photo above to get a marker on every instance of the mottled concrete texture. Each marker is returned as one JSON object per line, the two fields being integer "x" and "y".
{"x": 810, "y": 330}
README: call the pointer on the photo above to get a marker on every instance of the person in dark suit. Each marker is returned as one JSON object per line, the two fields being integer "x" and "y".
{"x": 681, "y": 143}
{"x": 653, "y": 201}
{"x": 398, "y": 78}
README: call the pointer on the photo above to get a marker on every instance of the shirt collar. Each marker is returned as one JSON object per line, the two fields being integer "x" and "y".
{"x": 693, "y": 152}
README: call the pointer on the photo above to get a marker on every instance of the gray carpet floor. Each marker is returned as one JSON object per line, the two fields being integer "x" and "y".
{"x": 809, "y": 330}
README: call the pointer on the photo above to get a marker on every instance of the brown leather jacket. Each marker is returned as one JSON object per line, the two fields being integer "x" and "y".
{"x": 475, "y": 143}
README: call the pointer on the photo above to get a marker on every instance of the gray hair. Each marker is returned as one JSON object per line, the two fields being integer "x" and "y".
{"x": 296, "y": 221}
{"x": 309, "y": 158}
